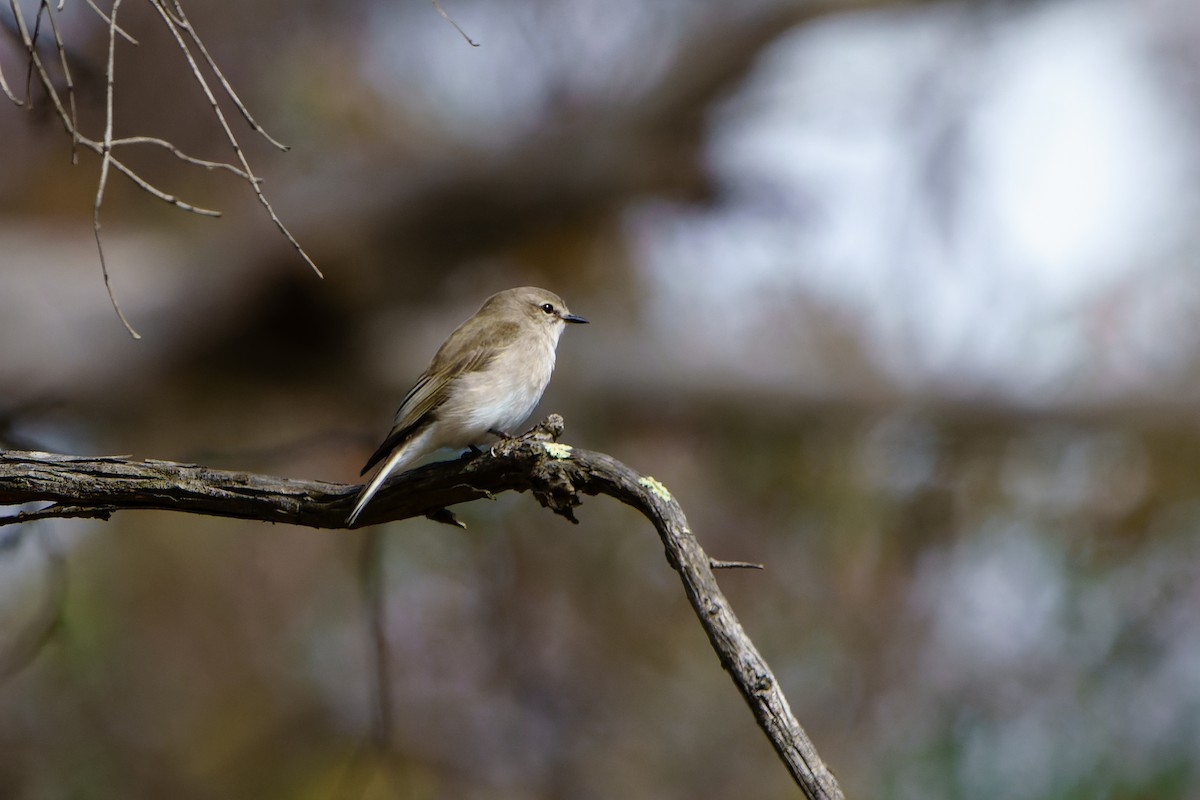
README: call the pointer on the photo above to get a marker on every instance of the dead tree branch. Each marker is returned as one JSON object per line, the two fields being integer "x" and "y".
{"x": 556, "y": 474}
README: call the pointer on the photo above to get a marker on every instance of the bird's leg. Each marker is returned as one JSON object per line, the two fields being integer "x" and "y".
{"x": 504, "y": 437}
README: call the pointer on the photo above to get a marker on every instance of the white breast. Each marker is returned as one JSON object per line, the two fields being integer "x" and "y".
{"x": 500, "y": 397}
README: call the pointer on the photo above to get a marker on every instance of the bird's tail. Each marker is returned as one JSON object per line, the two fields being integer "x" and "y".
{"x": 400, "y": 458}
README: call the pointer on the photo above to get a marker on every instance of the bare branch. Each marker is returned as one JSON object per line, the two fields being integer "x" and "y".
{"x": 90, "y": 143}
{"x": 175, "y": 26}
{"x": 104, "y": 148}
{"x": 106, "y": 160}
{"x": 177, "y": 23}
{"x": 66, "y": 68}
{"x": 27, "y": 40}
{"x": 146, "y": 186}
{"x": 183, "y": 22}
{"x": 37, "y": 28}
{"x": 555, "y": 474}
{"x": 8, "y": 91}
{"x": 107, "y": 21}
{"x": 200, "y": 162}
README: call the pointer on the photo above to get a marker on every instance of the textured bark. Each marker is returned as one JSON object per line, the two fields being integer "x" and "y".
{"x": 555, "y": 473}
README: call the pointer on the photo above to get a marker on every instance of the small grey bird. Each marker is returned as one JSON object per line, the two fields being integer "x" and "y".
{"x": 486, "y": 378}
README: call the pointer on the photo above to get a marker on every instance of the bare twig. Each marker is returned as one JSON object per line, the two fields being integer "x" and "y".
{"x": 179, "y": 25}
{"x": 98, "y": 148}
{"x": 60, "y": 511}
{"x": 8, "y": 91}
{"x": 107, "y": 21}
{"x": 183, "y": 22}
{"x": 19, "y": 19}
{"x": 714, "y": 563}
{"x": 146, "y": 186}
{"x": 438, "y": 5}
{"x": 175, "y": 26}
{"x": 555, "y": 474}
{"x": 200, "y": 162}
{"x": 66, "y": 68}
{"x": 105, "y": 161}
{"x": 37, "y": 28}
{"x": 104, "y": 148}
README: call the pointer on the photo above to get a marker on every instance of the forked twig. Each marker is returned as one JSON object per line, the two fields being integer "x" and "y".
{"x": 182, "y": 156}
{"x": 185, "y": 37}
{"x": 148, "y": 187}
{"x": 107, "y": 21}
{"x": 175, "y": 26}
{"x": 103, "y": 149}
{"x": 66, "y": 68}
{"x": 105, "y": 161}
{"x": 183, "y": 22}
{"x": 88, "y": 142}
{"x": 37, "y": 29}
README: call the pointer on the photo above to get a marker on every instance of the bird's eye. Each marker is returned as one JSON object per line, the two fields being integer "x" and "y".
{"x": 548, "y": 308}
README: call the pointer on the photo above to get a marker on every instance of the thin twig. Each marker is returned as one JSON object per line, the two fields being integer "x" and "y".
{"x": 36, "y": 62}
{"x": 90, "y": 143}
{"x": 149, "y": 188}
{"x": 59, "y": 511}
{"x": 19, "y": 18}
{"x": 200, "y": 162}
{"x": 105, "y": 161}
{"x": 183, "y": 22}
{"x": 66, "y": 68}
{"x": 714, "y": 563}
{"x": 37, "y": 28}
{"x": 108, "y": 21}
{"x": 177, "y": 23}
{"x": 8, "y": 91}
{"x": 438, "y": 5}
{"x": 174, "y": 27}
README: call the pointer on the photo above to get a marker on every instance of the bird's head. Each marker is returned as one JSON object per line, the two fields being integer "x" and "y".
{"x": 539, "y": 306}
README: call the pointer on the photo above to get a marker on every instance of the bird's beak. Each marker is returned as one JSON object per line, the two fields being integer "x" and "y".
{"x": 574, "y": 318}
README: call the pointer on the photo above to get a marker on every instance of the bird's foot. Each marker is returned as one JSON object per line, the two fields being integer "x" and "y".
{"x": 505, "y": 438}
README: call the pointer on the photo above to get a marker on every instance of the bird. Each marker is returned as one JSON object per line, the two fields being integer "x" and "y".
{"x": 485, "y": 380}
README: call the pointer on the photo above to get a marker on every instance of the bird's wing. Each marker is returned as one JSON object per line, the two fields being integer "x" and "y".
{"x": 452, "y": 361}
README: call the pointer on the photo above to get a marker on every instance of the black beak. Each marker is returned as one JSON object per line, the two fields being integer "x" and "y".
{"x": 574, "y": 318}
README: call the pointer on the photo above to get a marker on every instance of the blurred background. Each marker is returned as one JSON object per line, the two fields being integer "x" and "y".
{"x": 900, "y": 300}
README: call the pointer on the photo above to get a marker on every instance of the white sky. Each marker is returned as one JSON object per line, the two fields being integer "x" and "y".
{"x": 1061, "y": 179}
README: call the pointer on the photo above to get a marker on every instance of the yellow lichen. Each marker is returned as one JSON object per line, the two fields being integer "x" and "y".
{"x": 657, "y": 488}
{"x": 557, "y": 450}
